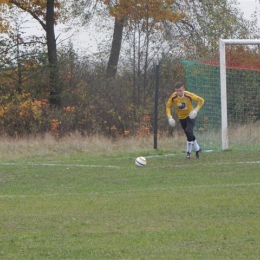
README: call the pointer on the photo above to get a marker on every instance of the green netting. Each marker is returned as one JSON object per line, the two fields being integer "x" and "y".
{"x": 204, "y": 80}
{"x": 243, "y": 96}
{"x": 243, "y": 93}
{"x": 243, "y": 100}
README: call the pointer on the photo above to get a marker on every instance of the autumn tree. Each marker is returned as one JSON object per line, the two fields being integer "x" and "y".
{"x": 22, "y": 56}
{"x": 186, "y": 27}
{"x": 205, "y": 22}
{"x": 146, "y": 12}
{"x": 46, "y": 13}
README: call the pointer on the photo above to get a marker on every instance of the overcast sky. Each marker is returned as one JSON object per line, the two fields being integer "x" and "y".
{"x": 248, "y": 6}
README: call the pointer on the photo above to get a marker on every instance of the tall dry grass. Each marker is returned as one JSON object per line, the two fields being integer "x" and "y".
{"x": 49, "y": 145}
{"x": 246, "y": 136}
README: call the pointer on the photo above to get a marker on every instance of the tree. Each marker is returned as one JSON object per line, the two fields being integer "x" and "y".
{"x": 4, "y": 24}
{"x": 115, "y": 48}
{"x": 190, "y": 27}
{"x": 55, "y": 85}
{"x": 21, "y": 56}
{"x": 148, "y": 13}
{"x": 206, "y": 22}
{"x": 44, "y": 13}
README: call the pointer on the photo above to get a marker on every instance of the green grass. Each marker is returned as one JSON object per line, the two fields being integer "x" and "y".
{"x": 92, "y": 206}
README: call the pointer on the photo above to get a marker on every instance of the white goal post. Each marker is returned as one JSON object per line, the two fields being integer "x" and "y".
{"x": 223, "y": 82}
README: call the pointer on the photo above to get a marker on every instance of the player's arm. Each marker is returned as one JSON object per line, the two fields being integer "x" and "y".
{"x": 200, "y": 102}
{"x": 169, "y": 104}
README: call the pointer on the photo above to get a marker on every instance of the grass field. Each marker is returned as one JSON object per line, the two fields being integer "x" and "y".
{"x": 83, "y": 205}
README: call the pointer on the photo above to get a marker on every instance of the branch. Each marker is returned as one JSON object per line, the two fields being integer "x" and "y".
{"x": 188, "y": 24}
{"x": 36, "y": 17}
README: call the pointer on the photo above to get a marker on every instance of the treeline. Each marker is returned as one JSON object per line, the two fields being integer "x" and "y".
{"x": 49, "y": 87}
{"x": 91, "y": 103}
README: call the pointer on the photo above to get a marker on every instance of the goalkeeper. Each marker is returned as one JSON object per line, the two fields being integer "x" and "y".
{"x": 182, "y": 101}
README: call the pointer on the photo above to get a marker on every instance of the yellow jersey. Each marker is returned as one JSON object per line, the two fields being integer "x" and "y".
{"x": 183, "y": 105}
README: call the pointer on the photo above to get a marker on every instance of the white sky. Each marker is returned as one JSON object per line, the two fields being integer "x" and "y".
{"x": 248, "y": 6}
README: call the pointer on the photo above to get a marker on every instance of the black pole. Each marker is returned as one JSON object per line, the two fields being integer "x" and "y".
{"x": 156, "y": 85}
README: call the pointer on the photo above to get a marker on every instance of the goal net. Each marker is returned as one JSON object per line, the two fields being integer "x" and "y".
{"x": 229, "y": 81}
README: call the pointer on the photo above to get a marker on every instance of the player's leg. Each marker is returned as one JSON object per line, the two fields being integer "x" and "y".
{"x": 189, "y": 130}
{"x": 189, "y": 141}
{"x": 189, "y": 149}
{"x": 197, "y": 148}
{"x": 190, "y": 136}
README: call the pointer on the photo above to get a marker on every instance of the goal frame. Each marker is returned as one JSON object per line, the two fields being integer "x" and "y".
{"x": 223, "y": 82}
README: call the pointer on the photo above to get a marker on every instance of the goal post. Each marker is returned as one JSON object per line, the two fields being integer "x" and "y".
{"x": 229, "y": 81}
{"x": 223, "y": 82}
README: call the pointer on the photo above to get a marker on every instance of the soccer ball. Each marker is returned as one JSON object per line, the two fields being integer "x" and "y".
{"x": 140, "y": 161}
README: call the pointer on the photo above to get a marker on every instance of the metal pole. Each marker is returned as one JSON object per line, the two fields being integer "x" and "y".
{"x": 223, "y": 82}
{"x": 223, "y": 91}
{"x": 156, "y": 86}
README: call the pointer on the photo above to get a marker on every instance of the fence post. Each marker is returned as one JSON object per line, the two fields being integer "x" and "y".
{"x": 156, "y": 86}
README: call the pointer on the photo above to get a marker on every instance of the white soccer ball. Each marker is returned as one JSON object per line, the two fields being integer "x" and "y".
{"x": 140, "y": 161}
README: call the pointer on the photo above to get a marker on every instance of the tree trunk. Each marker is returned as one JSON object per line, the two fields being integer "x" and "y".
{"x": 55, "y": 90}
{"x": 115, "y": 49}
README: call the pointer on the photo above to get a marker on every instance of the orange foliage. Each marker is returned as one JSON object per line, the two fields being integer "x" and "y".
{"x": 146, "y": 118}
{"x": 237, "y": 57}
{"x": 4, "y": 24}
{"x": 127, "y": 133}
{"x": 23, "y": 103}
{"x": 69, "y": 108}
{"x": 243, "y": 57}
{"x": 137, "y": 10}
{"x": 144, "y": 127}
{"x": 30, "y": 106}
{"x": 54, "y": 124}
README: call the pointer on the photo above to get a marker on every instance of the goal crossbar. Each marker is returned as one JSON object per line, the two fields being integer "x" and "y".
{"x": 223, "y": 82}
